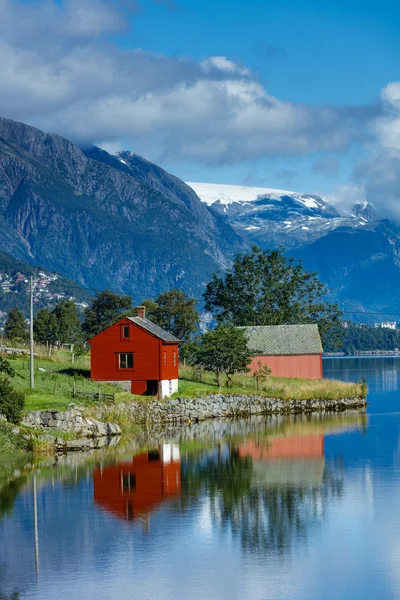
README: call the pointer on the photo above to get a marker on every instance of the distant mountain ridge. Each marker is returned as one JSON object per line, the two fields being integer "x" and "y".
{"x": 269, "y": 216}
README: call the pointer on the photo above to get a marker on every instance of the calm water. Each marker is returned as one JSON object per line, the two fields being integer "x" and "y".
{"x": 261, "y": 509}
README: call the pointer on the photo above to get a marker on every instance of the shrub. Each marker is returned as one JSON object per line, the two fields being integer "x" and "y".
{"x": 11, "y": 401}
{"x": 6, "y": 368}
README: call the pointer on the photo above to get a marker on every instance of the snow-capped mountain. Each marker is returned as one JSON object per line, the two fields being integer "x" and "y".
{"x": 270, "y": 216}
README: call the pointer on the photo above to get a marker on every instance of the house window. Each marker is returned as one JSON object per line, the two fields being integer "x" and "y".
{"x": 129, "y": 482}
{"x": 125, "y": 332}
{"x": 126, "y": 361}
{"x": 174, "y": 359}
{"x": 165, "y": 359}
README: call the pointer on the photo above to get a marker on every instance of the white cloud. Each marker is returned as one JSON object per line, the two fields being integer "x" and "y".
{"x": 62, "y": 72}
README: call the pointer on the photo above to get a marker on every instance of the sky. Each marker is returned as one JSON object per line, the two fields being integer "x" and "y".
{"x": 296, "y": 94}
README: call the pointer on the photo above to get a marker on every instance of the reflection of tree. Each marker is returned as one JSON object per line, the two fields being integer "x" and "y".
{"x": 265, "y": 517}
{"x": 8, "y": 495}
{"x": 14, "y": 596}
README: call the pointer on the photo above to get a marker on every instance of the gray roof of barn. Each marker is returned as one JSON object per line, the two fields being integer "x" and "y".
{"x": 159, "y": 332}
{"x": 279, "y": 340}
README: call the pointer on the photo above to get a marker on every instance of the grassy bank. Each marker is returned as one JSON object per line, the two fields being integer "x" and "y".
{"x": 55, "y": 377}
{"x": 272, "y": 387}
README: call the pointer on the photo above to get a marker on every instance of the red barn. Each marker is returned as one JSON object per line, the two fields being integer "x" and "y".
{"x": 137, "y": 355}
{"x": 288, "y": 350}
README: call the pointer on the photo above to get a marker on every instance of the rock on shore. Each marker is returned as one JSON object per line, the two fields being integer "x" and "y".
{"x": 71, "y": 420}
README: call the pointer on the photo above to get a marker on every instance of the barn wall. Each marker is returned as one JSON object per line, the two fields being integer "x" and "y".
{"x": 106, "y": 346}
{"x": 306, "y": 366}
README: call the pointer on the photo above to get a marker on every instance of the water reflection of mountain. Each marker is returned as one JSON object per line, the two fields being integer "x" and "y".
{"x": 131, "y": 489}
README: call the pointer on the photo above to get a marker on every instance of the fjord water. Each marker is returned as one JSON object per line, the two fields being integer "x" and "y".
{"x": 300, "y": 508}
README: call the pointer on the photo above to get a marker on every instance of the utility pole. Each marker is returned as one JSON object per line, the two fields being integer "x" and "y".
{"x": 32, "y": 380}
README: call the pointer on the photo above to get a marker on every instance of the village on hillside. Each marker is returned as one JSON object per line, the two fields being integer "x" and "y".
{"x": 18, "y": 283}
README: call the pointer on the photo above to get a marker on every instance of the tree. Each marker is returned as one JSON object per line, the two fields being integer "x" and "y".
{"x": 224, "y": 350}
{"x": 261, "y": 374}
{"x": 69, "y": 327}
{"x": 107, "y": 308}
{"x": 267, "y": 288}
{"x": 11, "y": 401}
{"x": 15, "y": 327}
{"x": 45, "y": 326}
{"x": 174, "y": 311}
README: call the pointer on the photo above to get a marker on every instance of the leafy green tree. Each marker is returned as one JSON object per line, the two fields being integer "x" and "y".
{"x": 264, "y": 287}
{"x": 15, "y": 327}
{"x": 45, "y": 326}
{"x": 174, "y": 311}
{"x": 224, "y": 350}
{"x": 106, "y": 308}
{"x": 69, "y": 327}
{"x": 11, "y": 401}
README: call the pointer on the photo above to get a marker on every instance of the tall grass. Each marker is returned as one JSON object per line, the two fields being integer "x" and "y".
{"x": 273, "y": 387}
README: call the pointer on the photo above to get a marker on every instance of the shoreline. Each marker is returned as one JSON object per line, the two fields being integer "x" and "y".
{"x": 97, "y": 426}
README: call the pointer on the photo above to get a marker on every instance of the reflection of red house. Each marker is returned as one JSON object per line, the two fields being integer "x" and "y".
{"x": 293, "y": 446}
{"x": 136, "y": 488}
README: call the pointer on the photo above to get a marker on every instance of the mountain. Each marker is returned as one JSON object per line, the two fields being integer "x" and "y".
{"x": 120, "y": 222}
{"x": 356, "y": 253}
{"x": 361, "y": 266}
{"x": 269, "y": 217}
{"x": 116, "y": 222}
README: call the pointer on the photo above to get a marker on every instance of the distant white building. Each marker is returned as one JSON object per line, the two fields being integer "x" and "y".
{"x": 387, "y": 325}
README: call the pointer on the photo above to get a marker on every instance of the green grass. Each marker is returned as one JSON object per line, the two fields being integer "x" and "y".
{"x": 272, "y": 387}
{"x": 54, "y": 384}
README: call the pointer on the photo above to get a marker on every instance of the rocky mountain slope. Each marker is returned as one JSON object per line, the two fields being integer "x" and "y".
{"x": 107, "y": 222}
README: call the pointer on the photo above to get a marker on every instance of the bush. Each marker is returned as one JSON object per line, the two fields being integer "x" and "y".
{"x": 11, "y": 401}
{"x": 6, "y": 368}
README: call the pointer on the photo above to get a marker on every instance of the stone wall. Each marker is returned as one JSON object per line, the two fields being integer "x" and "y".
{"x": 71, "y": 420}
{"x": 218, "y": 405}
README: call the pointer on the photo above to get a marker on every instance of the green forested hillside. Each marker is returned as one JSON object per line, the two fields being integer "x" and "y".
{"x": 357, "y": 338}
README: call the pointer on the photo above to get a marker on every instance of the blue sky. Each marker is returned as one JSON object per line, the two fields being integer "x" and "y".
{"x": 301, "y": 95}
{"x": 304, "y": 51}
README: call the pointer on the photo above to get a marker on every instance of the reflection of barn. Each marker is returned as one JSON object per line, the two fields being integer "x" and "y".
{"x": 136, "y": 488}
{"x": 287, "y": 460}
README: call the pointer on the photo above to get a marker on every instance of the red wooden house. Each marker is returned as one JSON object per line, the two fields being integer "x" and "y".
{"x": 137, "y": 355}
{"x": 288, "y": 350}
